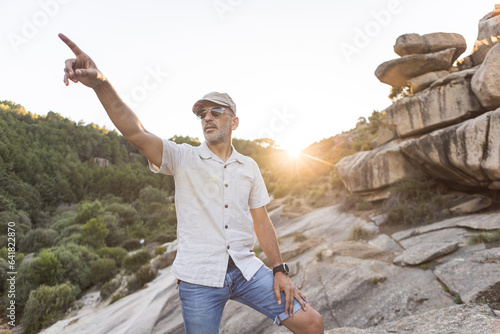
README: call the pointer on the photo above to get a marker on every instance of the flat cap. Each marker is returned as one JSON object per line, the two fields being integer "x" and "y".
{"x": 222, "y": 99}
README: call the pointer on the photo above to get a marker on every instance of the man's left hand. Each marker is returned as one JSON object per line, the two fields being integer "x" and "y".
{"x": 283, "y": 283}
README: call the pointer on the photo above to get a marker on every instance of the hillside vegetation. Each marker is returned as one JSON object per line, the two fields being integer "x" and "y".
{"x": 82, "y": 199}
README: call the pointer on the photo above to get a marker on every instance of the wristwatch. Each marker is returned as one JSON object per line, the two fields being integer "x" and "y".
{"x": 282, "y": 268}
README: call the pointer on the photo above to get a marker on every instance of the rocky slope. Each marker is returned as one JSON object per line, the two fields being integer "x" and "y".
{"x": 377, "y": 286}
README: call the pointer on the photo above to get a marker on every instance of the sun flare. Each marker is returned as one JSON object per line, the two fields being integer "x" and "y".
{"x": 293, "y": 152}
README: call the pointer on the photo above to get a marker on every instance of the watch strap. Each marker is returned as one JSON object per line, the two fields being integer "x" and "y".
{"x": 282, "y": 268}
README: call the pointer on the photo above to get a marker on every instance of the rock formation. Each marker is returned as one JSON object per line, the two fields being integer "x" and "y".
{"x": 410, "y": 44}
{"x": 487, "y": 37}
{"x": 448, "y": 128}
{"x": 397, "y": 72}
{"x": 355, "y": 285}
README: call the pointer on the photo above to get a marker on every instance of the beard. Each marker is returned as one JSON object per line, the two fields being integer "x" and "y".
{"x": 221, "y": 134}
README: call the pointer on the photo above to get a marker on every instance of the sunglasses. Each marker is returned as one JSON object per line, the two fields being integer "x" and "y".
{"x": 216, "y": 112}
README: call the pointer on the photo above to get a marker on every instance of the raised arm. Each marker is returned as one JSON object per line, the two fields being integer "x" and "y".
{"x": 83, "y": 69}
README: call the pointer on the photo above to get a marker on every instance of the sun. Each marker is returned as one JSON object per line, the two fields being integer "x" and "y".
{"x": 294, "y": 151}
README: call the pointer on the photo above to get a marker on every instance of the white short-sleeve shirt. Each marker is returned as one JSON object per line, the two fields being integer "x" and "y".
{"x": 213, "y": 201}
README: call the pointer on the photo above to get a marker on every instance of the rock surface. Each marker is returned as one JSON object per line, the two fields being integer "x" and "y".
{"x": 371, "y": 170}
{"x": 434, "y": 108}
{"x": 396, "y": 72}
{"x": 167, "y": 258}
{"x": 458, "y": 319}
{"x": 475, "y": 278}
{"x": 386, "y": 243}
{"x": 487, "y": 37}
{"x": 487, "y": 221}
{"x": 485, "y": 81}
{"x": 449, "y": 235}
{"x": 136, "y": 313}
{"x": 414, "y": 43}
{"x": 454, "y": 77}
{"x": 460, "y": 153}
{"x": 384, "y": 136}
{"x": 424, "y": 252}
{"x": 470, "y": 204}
{"x": 425, "y": 80}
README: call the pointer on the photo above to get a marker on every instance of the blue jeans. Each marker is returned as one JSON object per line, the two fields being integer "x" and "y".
{"x": 202, "y": 306}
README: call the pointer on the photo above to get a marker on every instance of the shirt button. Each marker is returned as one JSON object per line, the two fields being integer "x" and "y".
{"x": 225, "y": 166}
{"x": 226, "y": 206}
{"x": 226, "y": 227}
{"x": 228, "y": 247}
{"x": 227, "y": 185}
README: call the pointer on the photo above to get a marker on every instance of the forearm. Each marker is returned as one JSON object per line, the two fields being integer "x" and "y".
{"x": 120, "y": 114}
{"x": 266, "y": 234}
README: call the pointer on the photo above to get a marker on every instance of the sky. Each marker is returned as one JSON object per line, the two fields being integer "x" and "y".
{"x": 298, "y": 70}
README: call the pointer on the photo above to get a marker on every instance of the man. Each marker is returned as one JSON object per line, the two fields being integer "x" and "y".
{"x": 220, "y": 201}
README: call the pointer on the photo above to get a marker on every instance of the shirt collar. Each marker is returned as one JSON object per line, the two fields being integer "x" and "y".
{"x": 205, "y": 153}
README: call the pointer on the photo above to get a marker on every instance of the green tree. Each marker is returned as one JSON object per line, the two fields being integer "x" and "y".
{"x": 46, "y": 305}
{"x": 94, "y": 233}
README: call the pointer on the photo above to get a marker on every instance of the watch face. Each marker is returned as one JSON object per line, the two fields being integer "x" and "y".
{"x": 285, "y": 266}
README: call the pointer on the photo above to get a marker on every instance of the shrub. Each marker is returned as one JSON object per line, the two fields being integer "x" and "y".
{"x": 160, "y": 250}
{"x": 44, "y": 268}
{"x": 484, "y": 237}
{"x": 363, "y": 205}
{"x": 133, "y": 283}
{"x": 134, "y": 262}
{"x": 75, "y": 264}
{"x": 37, "y": 239}
{"x": 18, "y": 256}
{"x": 72, "y": 239}
{"x": 319, "y": 256}
{"x": 412, "y": 202}
{"x": 108, "y": 288}
{"x": 115, "y": 253}
{"x": 46, "y": 305}
{"x": 117, "y": 234}
{"x": 4, "y": 268}
{"x": 336, "y": 181}
{"x": 103, "y": 270}
{"x": 161, "y": 238}
{"x": 144, "y": 275}
{"x": 128, "y": 215}
{"x": 87, "y": 211}
{"x": 280, "y": 191}
{"x": 68, "y": 232}
{"x": 131, "y": 244}
{"x": 359, "y": 233}
{"x": 350, "y": 202}
{"x": 94, "y": 233}
{"x": 117, "y": 297}
{"x": 457, "y": 299}
{"x": 298, "y": 237}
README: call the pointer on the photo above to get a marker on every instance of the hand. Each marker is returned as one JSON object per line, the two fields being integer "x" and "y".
{"x": 82, "y": 68}
{"x": 283, "y": 283}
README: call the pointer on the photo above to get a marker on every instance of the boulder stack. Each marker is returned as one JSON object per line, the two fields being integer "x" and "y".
{"x": 423, "y": 58}
{"x": 447, "y": 128}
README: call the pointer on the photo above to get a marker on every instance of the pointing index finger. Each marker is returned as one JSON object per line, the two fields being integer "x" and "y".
{"x": 76, "y": 50}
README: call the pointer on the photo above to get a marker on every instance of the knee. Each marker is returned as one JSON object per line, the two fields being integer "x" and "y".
{"x": 316, "y": 324}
